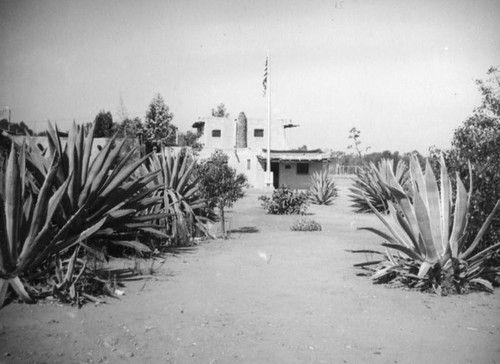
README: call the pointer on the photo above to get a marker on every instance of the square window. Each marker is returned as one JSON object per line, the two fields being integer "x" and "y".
{"x": 302, "y": 168}
{"x": 258, "y": 133}
{"x": 216, "y": 133}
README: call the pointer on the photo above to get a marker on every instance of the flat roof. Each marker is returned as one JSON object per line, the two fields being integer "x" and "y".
{"x": 316, "y": 155}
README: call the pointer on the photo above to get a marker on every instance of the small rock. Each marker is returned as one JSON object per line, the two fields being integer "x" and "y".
{"x": 110, "y": 341}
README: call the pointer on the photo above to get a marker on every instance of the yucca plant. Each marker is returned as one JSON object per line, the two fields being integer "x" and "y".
{"x": 426, "y": 234}
{"x": 372, "y": 183}
{"x": 179, "y": 192}
{"x": 323, "y": 190}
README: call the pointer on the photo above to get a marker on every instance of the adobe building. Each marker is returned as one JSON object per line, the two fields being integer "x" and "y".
{"x": 245, "y": 142}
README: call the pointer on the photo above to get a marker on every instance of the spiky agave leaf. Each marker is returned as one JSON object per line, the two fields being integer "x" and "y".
{"x": 25, "y": 225}
{"x": 373, "y": 182}
{"x": 435, "y": 240}
{"x": 181, "y": 200}
{"x": 98, "y": 185}
{"x": 323, "y": 189}
{"x": 65, "y": 211}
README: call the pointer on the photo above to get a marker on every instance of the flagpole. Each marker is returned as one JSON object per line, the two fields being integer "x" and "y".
{"x": 268, "y": 177}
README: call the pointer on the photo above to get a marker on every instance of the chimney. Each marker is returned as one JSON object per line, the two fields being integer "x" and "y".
{"x": 241, "y": 131}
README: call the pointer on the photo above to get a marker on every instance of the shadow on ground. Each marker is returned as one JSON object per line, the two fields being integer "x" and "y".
{"x": 245, "y": 230}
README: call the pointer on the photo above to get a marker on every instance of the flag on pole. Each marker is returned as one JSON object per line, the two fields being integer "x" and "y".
{"x": 264, "y": 82}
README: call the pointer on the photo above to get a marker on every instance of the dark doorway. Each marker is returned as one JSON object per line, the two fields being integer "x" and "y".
{"x": 275, "y": 168}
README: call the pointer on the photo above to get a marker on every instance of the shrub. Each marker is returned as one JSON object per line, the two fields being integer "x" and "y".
{"x": 323, "y": 190}
{"x": 477, "y": 141}
{"x": 284, "y": 201}
{"x": 372, "y": 182}
{"x": 428, "y": 232}
{"x": 306, "y": 225}
{"x": 220, "y": 185}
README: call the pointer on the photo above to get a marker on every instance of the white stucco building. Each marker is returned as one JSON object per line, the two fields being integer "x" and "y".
{"x": 245, "y": 142}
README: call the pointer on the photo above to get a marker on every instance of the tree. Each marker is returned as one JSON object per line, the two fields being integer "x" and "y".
{"x": 21, "y": 129}
{"x": 131, "y": 131}
{"x": 190, "y": 139}
{"x": 158, "y": 128}
{"x": 478, "y": 141}
{"x": 103, "y": 125}
{"x": 220, "y": 112}
{"x": 130, "y": 128}
{"x": 6, "y": 129}
{"x": 376, "y": 157}
{"x": 219, "y": 184}
{"x": 122, "y": 113}
{"x": 25, "y": 129}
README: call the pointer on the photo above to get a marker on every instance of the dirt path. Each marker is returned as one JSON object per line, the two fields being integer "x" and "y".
{"x": 266, "y": 295}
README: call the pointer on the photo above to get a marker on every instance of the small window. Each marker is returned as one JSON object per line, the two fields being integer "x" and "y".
{"x": 216, "y": 133}
{"x": 302, "y": 168}
{"x": 248, "y": 164}
{"x": 287, "y": 166}
{"x": 258, "y": 133}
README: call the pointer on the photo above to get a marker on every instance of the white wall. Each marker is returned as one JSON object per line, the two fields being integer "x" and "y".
{"x": 290, "y": 177}
{"x": 227, "y": 140}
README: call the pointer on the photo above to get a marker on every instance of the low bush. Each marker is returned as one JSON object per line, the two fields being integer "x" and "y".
{"x": 306, "y": 225}
{"x": 285, "y": 201}
{"x": 323, "y": 190}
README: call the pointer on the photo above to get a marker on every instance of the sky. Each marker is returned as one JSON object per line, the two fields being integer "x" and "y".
{"x": 402, "y": 72}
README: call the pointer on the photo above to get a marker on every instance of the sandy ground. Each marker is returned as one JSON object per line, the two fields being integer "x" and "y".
{"x": 266, "y": 295}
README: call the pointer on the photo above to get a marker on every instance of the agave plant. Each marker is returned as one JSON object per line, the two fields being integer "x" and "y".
{"x": 101, "y": 186}
{"x": 27, "y": 221}
{"x": 92, "y": 198}
{"x": 323, "y": 190}
{"x": 179, "y": 192}
{"x": 428, "y": 233}
{"x": 372, "y": 182}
